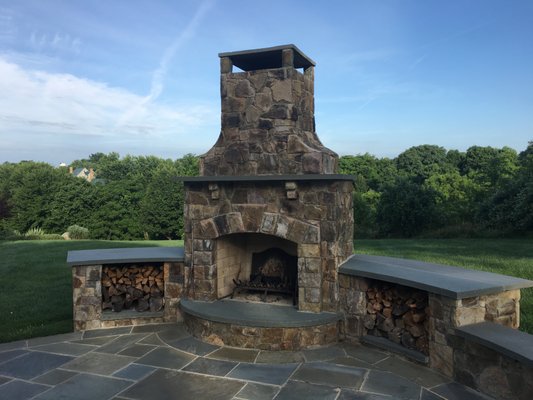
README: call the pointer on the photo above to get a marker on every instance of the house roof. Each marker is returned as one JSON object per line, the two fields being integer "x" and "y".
{"x": 80, "y": 170}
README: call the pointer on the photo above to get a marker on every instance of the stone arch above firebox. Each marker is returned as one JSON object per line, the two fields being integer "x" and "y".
{"x": 252, "y": 220}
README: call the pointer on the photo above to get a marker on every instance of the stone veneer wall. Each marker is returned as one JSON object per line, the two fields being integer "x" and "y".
{"x": 316, "y": 215}
{"x": 268, "y": 125}
{"x": 87, "y": 298}
{"x": 446, "y": 314}
{"x": 277, "y": 338}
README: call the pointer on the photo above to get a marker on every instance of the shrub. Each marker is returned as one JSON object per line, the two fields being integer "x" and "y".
{"x": 34, "y": 234}
{"x": 51, "y": 236}
{"x": 7, "y": 234}
{"x": 78, "y": 232}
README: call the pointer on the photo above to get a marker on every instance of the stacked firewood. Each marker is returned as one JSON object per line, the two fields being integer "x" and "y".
{"x": 139, "y": 287}
{"x": 398, "y": 313}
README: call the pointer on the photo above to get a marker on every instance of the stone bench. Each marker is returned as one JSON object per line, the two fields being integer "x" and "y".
{"x": 469, "y": 319}
{"x": 494, "y": 359}
{"x": 87, "y": 268}
{"x": 509, "y": 342}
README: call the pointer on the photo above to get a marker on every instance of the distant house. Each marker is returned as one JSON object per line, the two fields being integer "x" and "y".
{"x": 87, "y": 174}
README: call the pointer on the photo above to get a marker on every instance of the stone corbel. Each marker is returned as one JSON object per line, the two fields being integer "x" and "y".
{"x": 213, "y": 189}
{"x": 291, "y": 188}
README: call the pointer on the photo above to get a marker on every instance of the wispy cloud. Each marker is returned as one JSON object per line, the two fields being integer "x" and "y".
{"x": 159, "y": 74}
{"x": 57, "y": 42}
{"x": 34, "y": 102}
{"x": 8, "y": 28}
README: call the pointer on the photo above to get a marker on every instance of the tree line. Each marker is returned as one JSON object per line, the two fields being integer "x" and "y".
{"x": 425, "y": 191}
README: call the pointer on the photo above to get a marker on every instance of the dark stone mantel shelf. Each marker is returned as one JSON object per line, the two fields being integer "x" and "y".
{"x": 266, "y": 178}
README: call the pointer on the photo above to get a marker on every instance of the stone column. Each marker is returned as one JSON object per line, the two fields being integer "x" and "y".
{"x": 226, "y": 66}
{"x": 287, "y": 58}
{"x": 86, "y": 296}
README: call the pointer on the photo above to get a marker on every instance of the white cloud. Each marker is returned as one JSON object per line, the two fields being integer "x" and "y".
{"x": 159, "y": 74}
{"x": 35, "y": 103}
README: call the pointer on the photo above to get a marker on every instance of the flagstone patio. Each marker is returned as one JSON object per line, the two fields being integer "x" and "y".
{"x": 165, "y": 362}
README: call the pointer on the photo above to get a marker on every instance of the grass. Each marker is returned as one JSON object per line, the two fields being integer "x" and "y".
{"x": 36, "y": 291}
{"x": 503, "y": 256}
{"x": 36, "y": 284}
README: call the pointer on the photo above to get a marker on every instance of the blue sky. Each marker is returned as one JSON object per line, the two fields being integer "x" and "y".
{"x": 142, "y": 77}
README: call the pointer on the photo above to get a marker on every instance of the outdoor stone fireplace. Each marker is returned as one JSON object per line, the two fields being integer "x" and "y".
{"x": 270, "y": 215}
{"x": 268, "y": 184}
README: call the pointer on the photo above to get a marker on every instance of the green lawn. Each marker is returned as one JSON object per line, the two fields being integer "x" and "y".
{"x": 36, "y": 285}
{"x": 36, "y": 292}
{"x": 503, "y": 256}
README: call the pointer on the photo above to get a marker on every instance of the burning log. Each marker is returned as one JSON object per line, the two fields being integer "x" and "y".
{"x": 132, "y": 287}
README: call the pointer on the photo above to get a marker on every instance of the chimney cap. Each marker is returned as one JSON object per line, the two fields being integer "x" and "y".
{"x": 266, "y": 58}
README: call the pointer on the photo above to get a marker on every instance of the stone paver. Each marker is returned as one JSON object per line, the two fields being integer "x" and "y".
{"x": 32, "y": 364}
{"x": 86, "y": 387}
{"x": 412, "y": 371}
{"x": 364, "y": 353}
{"x": 274, "y": 374}
{"x": 134, "y": 372}
{"x": 353, "y": 395}
{"x": 136, "y": 350}
{"x": 280, "y": 357}
{"x": 54, "y": 377}
{"x": 166, "y": 357}
{"x": 294, "y": 390}
{"x": 330, "y": 375}
{"x": 98, "y": 363}
{"x": 455, "y": 391}
{"x": 323, "y": 353}
{"x": 121, "y": 343}
{"x": 233, "y": 354}
{"x": 69, "y": 349}
{"x": 210, "y": 367}
{"x": 164, "y": 361}
{"x": 257, "y": 391}
{"x": 11, "y": 354}
{"x": 21, "y": 390}
{"x": 387, "y": 383}
{"x": 166, "y": 384}
{"x": 193, "y": 345}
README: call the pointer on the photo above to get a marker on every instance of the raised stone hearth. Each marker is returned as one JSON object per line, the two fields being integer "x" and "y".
{"x": 259, "y": 325}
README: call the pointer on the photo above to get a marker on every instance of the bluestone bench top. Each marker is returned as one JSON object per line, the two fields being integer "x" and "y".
{"x": 508, "y": 341}
{"x": 454, "y": 282}
{"x": 125, "y": 255}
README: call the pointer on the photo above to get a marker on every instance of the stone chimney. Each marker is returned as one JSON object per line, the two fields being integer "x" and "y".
{"x": 268, "y": 124}
{"x": 71, "y": 170}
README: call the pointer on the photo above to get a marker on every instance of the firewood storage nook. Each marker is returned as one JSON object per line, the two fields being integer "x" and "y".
{"x": 267, "y": 260}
